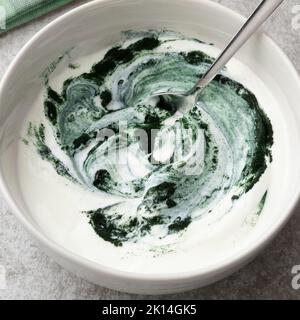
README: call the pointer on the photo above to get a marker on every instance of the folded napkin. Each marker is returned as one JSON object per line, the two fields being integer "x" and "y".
{"x": 16, "y": 12}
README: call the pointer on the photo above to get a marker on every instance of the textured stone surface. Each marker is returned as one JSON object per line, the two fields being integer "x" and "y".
{"x": 32, "y": 275}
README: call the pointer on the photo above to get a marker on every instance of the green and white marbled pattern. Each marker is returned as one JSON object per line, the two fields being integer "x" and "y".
{"x": 117, "y": 139}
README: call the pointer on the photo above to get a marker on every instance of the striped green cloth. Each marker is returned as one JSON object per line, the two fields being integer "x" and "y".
{"x": 16, "y": 12}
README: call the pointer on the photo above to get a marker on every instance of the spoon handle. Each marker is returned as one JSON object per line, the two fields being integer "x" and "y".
{"x": 259, "y": 16}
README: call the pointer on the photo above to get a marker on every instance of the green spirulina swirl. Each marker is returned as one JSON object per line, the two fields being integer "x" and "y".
{"x": 181, "y": 170}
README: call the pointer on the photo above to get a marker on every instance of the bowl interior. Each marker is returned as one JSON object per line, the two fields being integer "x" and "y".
{"x": 97, "y": 26}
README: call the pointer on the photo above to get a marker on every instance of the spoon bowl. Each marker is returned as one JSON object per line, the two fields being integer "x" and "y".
{"x": 185, "y": 100}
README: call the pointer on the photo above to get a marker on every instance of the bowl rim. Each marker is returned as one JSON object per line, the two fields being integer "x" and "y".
{"x": 225, "y": 264}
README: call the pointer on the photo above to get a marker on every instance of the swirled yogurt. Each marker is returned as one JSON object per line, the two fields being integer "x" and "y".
{"x": 145, "y": 184}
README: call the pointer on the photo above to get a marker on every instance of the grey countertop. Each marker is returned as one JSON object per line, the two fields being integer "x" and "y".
{"x": 32, "y": 275}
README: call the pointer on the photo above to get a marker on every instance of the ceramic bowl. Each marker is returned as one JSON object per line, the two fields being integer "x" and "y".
{"x": 100, "y": 23}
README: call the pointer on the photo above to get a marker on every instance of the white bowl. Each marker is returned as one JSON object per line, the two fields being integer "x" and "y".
{"x": 101, "y": 22}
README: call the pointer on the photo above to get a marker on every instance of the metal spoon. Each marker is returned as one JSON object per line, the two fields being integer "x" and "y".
{"x": 186, "y": 100}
